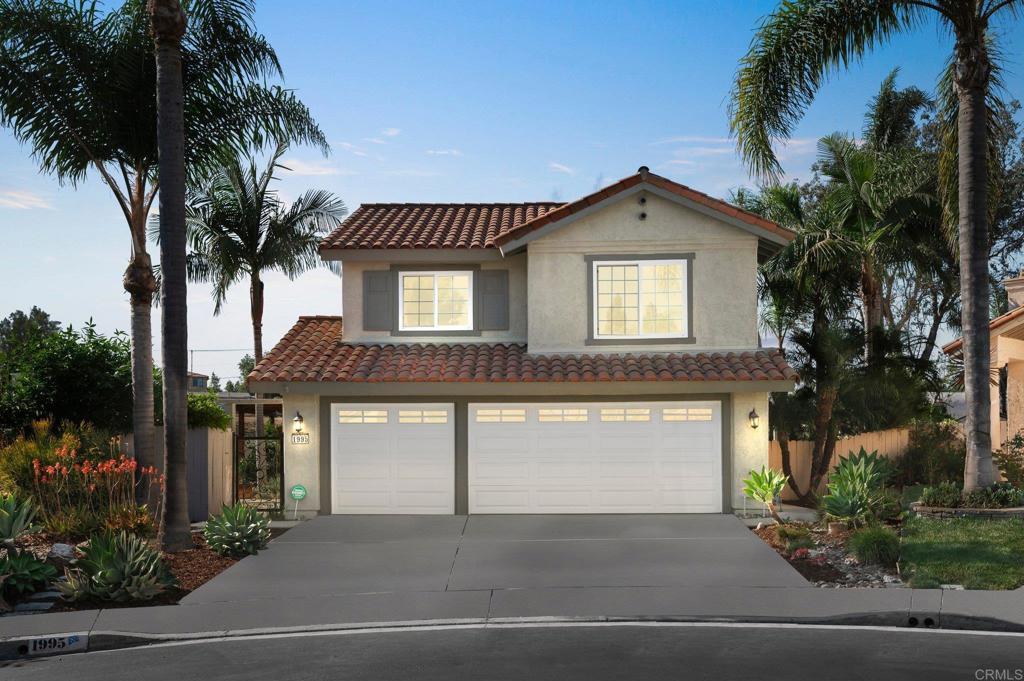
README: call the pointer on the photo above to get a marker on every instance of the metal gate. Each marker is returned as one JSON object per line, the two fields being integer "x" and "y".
{"x": 259, "y": 458}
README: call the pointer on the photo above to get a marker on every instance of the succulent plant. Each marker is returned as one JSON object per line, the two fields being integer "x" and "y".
{"x": 117, "y": 567}
{"x": 16, "y": 517}
{"x": 238, "y": 531}
{"x": 765, "y": 487}
{"x": 24, "y": 573}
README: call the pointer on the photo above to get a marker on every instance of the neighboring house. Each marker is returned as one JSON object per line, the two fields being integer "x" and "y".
{"x": 1006, "y": 338}
{"x": 197, "y": 383}
{"x": 597, "y": 356}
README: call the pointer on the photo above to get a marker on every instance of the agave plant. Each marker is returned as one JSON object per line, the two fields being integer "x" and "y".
{"x": 847, "y": 504}
{"x": 238, "y": 531}
{"x": 17, "y": 517}
{"x": 765, "y": 487}
{"x": 23, "y": 573}
{"x": 117, "y": 567}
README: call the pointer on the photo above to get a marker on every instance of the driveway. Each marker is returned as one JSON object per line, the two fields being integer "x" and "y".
{"x": 343, "y": 555}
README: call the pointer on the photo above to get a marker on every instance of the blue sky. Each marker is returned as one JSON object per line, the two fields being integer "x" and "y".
{"x": 455, "y": 101}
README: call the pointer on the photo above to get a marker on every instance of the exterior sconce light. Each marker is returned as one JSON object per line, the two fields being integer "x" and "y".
{"x": 755, "y": 420}
{"x": 297, "y": 422}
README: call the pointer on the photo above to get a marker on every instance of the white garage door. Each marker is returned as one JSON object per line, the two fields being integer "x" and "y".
{"x": 652, "y": 457}
{"x": 392, "y": 458}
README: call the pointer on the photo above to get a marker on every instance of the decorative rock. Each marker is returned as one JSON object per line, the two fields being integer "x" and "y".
{"x": 60, "y": 555}
{"x": 45, "y": 596}
{"x": 33, "y": 606}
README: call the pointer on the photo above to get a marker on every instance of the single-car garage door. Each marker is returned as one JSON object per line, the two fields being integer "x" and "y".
{"x": 392, "y": 458}
{"x": 651, "y": 457}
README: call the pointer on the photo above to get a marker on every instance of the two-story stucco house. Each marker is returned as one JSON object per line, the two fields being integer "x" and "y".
{"x": 598, "y": 356}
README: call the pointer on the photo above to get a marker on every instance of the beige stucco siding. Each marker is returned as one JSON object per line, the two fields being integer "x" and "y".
{"x": 302, "y": 462}
{"x": 724, "y": 274}
{"x": 749, "y": 445}
{"x": 352, "y": 305}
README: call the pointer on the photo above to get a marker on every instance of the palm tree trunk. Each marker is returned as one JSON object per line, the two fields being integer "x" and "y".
{"x": 256, "y": 311}
{"x": 971, "y": 79}
{"x": 871, "y": 299}
{"x": 140, "y": 283}
{"x": 168, "y": 22}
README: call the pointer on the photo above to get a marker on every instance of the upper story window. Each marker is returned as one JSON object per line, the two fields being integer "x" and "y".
{"x": 640, "y": 299}
{"x": 435, "y": 301}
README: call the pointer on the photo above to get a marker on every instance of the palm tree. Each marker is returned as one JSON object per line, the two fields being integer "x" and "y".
{"x": 801, "y": 43}
{"x": 168, "y": 21}
{"x": 240, "y": 229}
{"x": 78, "y": 86}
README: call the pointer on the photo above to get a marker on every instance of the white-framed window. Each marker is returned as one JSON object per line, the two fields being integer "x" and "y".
{"x": 435, "y": 301}
{"x": 363, "y": 416}
{"x": 640, "y": 298}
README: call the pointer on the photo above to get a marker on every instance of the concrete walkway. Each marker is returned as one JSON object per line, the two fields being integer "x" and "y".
{"x": 337, "y": 573}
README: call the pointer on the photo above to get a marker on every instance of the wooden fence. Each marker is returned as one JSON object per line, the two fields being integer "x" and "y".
{"x": 891, "y": 443}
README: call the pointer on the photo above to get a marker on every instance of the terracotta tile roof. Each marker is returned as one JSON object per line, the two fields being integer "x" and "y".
{"x": 432, "y": 225}
{"x": 997, "y": 323}
{"x": 486, "y": 225}
{"x": 312, "y": 351}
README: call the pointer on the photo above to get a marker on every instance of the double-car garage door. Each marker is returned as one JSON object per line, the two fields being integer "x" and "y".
{"x": 599, "y": 457}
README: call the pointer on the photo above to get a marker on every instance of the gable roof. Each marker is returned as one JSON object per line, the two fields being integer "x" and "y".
{"x": 995, "y": 324}
{"x": 509, "y": 226}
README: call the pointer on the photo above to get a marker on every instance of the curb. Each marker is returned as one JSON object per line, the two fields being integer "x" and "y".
{"x": 64, "y": 643}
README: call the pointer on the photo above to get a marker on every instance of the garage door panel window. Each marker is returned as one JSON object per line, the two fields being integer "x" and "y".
{"x": 623, "y": 415}
{"x": 422, "y": 416}
{"x": 562, "y": 415}
{"x": 640, "y": 299}
{"x": 501, "y": 416}
{"x": 363, "y": 416}
{"x": 692, "y": 414}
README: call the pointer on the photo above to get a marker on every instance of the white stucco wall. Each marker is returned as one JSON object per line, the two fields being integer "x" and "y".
{"x": 302, "y": 462}
{"x": 352, "y": 305}
{"x": 724, "y": 274}
{"x": 749, "y": 445}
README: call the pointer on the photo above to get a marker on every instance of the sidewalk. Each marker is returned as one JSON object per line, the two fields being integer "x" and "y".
{"x": 121, "y": 627}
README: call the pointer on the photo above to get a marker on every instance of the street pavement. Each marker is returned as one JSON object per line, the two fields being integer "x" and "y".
{"x": 562, "y": 653}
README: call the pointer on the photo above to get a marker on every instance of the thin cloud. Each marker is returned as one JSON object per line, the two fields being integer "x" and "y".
{"x": 444, "y": 152}
{"x": 391, "y": 132}
{"x": 23, "y": 200}
{"x": 374, "y": 140}
{"x": 352, "y": 149}
{"x": 693, "y": 139}
{"x": 312, "y": 168}
{"x": 561, "y": 168}
{"x": 411, "y": 172}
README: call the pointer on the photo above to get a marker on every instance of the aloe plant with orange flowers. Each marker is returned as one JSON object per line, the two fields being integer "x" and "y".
{"x": 78, "y": 495}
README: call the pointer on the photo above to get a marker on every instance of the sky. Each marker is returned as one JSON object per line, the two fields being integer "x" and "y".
{"x": 455, "y": 101}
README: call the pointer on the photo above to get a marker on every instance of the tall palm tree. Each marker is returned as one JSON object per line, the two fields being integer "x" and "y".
{"x": 239, "y": 229}
{"x": 804, "y": 41}
{"x": 78, "y": 86}
{"x": 169, "y": 22}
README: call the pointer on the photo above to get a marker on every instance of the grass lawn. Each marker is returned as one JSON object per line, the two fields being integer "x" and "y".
{"x": 979, "y": 554}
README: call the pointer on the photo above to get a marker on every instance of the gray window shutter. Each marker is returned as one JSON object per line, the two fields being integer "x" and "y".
{"x": 493, "y": 299}
{"x": 378, "y": 300}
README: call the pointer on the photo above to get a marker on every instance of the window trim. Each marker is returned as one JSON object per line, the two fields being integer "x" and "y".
{"x": 396, "y": 298}
{"x": 403, "y": 273}
{"x": 592, "y": 262}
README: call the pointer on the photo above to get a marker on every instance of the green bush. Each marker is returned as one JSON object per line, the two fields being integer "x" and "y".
{"x": 17, "y": 517}
{"x": 943, "y": 495}
{"x": 238, "y": 531}
{"x": 117, "y": 567}
{"x": 846, "y": 504}
{"x": 864, "y": 468}
{"x": 875, "y": 544}
{"x": 999, "y": 495}
{"x": 205, "y": 412}
{"x": 887, "y": 505}
{"x": 935, "y": 453}
{"x": 1011, "y": 460}
{"x": 22, "y": 573}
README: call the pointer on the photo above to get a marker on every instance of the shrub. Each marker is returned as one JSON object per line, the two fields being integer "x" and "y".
{"x": 1011, "y": 460}
{"x": 205, "y": 412}
{"x": 943, "y": 495}
{"x": 865, "y": 469}
{"x": 117, "y": 567}
{"x": 78, "y": 494}
{"x": 765, "y": 487}
{"x": 999, "y": 495}
{"x": 875, "y": 544}
{"x": 794, "y": 537}
{"x": 887, "y": 505}
{"x": 935, "y": 453}
{"x": 16, "y": 518}
{"x": 23, "y": 573}
{"x": 238, "y": 531}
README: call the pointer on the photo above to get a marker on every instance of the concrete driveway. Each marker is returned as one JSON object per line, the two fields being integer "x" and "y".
{"x": 343, "y": 555}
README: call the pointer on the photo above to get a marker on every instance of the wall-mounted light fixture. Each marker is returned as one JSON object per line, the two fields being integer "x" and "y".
{"x": 297, "y": 422}
{"x": 755, "y": 420}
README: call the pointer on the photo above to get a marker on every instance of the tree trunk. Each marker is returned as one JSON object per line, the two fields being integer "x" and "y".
{"x": 140, "y": 283}
{"x": 787, "y": 467}
{"x": 971, "y": 78}
{"x": 256, "y": 311}
{"x": 824, "y": 439}
{"x": 168, "y": 23}
{"x": 871, "y": 299}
